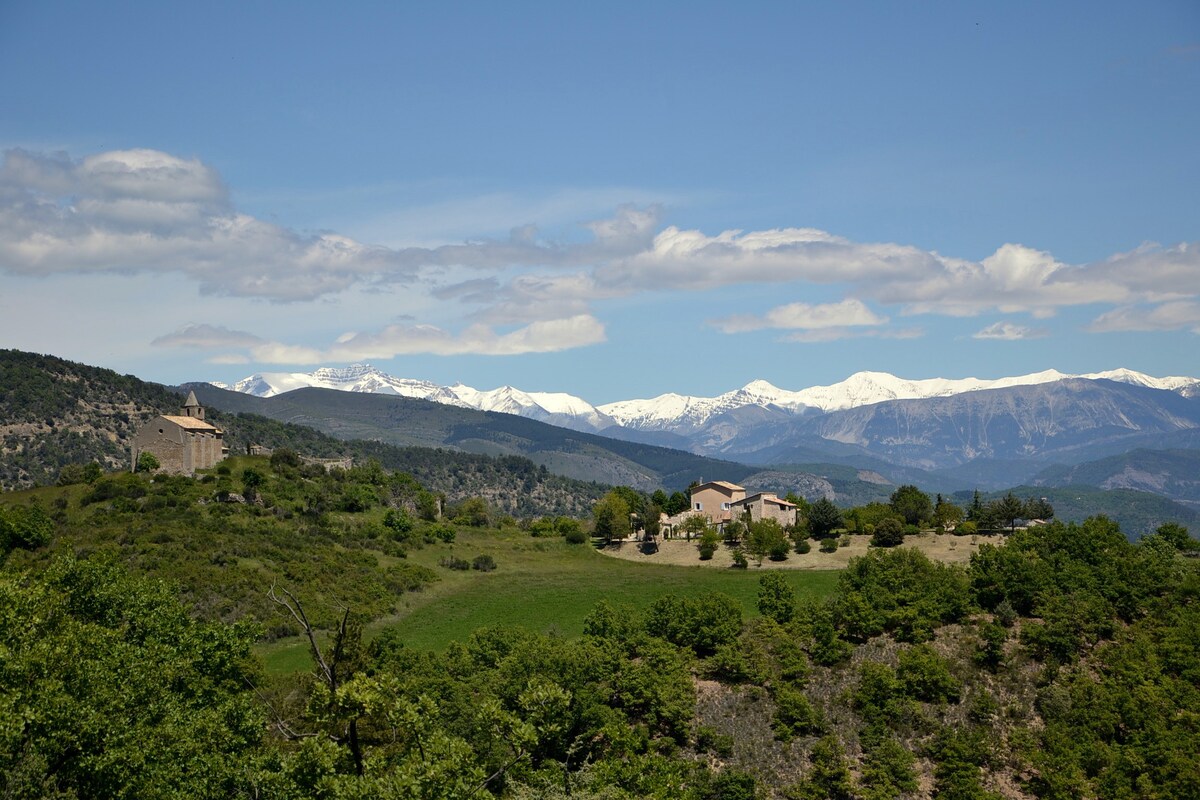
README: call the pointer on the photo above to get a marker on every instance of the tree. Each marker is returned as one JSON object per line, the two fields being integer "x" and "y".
{"x": 1008, "y": 510}
{"x": 252, "y": 479}
{"x": 635, "y": 501}
{"x": 867, "y": 517}
{"x": 119, "y": 689}
{"x": 652, "y": 524}
{"x": 946, "y": 514}
{"x": 888, "y": 533}
{"x": 695, "y": 526}
{"x": 823, "y": 518}
{"x": 975, "y": 511}
{"x": 611, "y": 515}
{"x": 887, "y": 770}
{"x": 1038, "y": 508}
{"x": 147, "y": 463}
{"x": 429, "y": 505}
{"x": 473, "y": 511}
{"x": 766, "y": 538}
{"x": 677, "y": 503}
{"x": 24, "y": 527}
{"x": 710, "y": 540}
{"x": 776, "y": 598}
{"x": 1176, "y": 536}
{"x": 828, "y": 777}
{"x": 913, "y": 505}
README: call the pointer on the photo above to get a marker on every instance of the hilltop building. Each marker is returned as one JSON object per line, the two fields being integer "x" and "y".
{"x": 720, "y": 502}
{"x": 715, "y": 500}
{"x": 182, "y": 443}
{"x": 765, "y": 505}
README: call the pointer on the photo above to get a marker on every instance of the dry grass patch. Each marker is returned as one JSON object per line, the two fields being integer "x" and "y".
{"x": 946, "y": 548}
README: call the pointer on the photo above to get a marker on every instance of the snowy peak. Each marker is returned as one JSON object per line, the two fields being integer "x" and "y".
{"x": 355, "y": 378}
{"x": 554, "y": 407}
{"x": 672, "y": 412}
{"x": 681, "y": 413}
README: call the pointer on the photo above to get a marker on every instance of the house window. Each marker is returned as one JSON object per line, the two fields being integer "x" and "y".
{"x": 724, "y": 506}
{"x": 698, "y": 507}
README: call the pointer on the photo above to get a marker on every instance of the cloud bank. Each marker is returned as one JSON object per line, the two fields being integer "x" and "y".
{"x": 143, "y": 211}
{"x": 548, "y": 336}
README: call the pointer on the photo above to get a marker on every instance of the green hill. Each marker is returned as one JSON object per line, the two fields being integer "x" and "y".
{"x": 1137, "y": 513}
{"x": 1172, "y": 473}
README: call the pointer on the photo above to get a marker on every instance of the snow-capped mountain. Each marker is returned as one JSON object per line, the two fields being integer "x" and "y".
{"x": 679, "y": 413}
{"x": 355, "y": 378}
{"x": 675, "y": 413}
{"x": 555, "y": 408}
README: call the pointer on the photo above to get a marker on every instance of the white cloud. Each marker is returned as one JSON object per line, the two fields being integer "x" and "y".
{"x": 803, "y": 316}
{"x": 1008, "y": 331}
{"x": 145, "y": 211}
{"x": 1172, "y": 316}
{"x": 206, "y": 337}
{"x": 547, "y": 336}
{"x": 139, "y": 212}
{"x": 834, "y": 334}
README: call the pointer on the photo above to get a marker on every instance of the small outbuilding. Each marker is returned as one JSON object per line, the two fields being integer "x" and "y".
{"x": 765, "y": 505}
{"x": 182, "y": 443}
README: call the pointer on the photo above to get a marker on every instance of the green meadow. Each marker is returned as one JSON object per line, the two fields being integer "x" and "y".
{"x": 544, "y": 585}
{"x": 224, "y": 558}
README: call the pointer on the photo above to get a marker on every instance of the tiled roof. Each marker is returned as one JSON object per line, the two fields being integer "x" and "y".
{"x": 722, "y": 484}
{"x": 767, "y": 497}
{"x": 192, "y": 424}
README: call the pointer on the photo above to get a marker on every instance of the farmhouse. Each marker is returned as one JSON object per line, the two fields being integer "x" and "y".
{"x": 184, "y": 443}
{"x": 765, "y": 505}
{"x": 715, "y": 500}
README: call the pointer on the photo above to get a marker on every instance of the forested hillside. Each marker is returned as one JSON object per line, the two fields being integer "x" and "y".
{"x": 55, "y": 412}
{"x": 1064, "y": 663}
{"x": 1137, "y": 513}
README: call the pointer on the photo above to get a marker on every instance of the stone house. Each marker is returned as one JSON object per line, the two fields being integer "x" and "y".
{"x": 765, "y": 505}
{"x": 715, "y": 500}
{"x": 182, "y": 443}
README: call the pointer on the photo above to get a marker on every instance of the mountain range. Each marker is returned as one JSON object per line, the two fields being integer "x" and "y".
{"x": 989, "y": 433}
{"x": 674, "y": 413}
{"x": 1132, "y": 450}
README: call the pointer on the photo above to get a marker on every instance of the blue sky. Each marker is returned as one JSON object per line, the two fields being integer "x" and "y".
{"x": 613, "y": 200}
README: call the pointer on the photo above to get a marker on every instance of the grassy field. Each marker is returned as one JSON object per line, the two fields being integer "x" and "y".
{"x": 543, "y": 585}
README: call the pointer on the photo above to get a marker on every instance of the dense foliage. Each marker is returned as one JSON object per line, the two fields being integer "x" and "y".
{"x": 1063, "y": 663}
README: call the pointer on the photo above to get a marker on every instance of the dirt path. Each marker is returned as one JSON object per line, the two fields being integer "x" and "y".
{"x": 678, "y": 552}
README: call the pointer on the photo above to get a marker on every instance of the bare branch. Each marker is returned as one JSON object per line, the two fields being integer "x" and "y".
{"x": 296, "y": 609}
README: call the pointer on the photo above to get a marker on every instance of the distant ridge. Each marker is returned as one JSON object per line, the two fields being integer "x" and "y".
{"x": 675, "y": 413}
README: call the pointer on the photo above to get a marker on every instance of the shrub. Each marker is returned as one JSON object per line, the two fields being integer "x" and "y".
{"x": 776, "y": 598}
{"x": 803, "y": 546}
{"x": 888, "y": 533}
{"x": 733, "y": 784}
{"x": 398, "y": 522}
{"x": 739, "y": 559}
{"x": 454, "y": 562}
{"x": 829, "y": 545}
{"x": 967, "y": 528}
{"x": 443, "y": 531}
{"x": 795, "y": 716}
{"x": 710, "y": 740}
{"x": 925, "y": 676}
{"x": 484, "y": 563}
